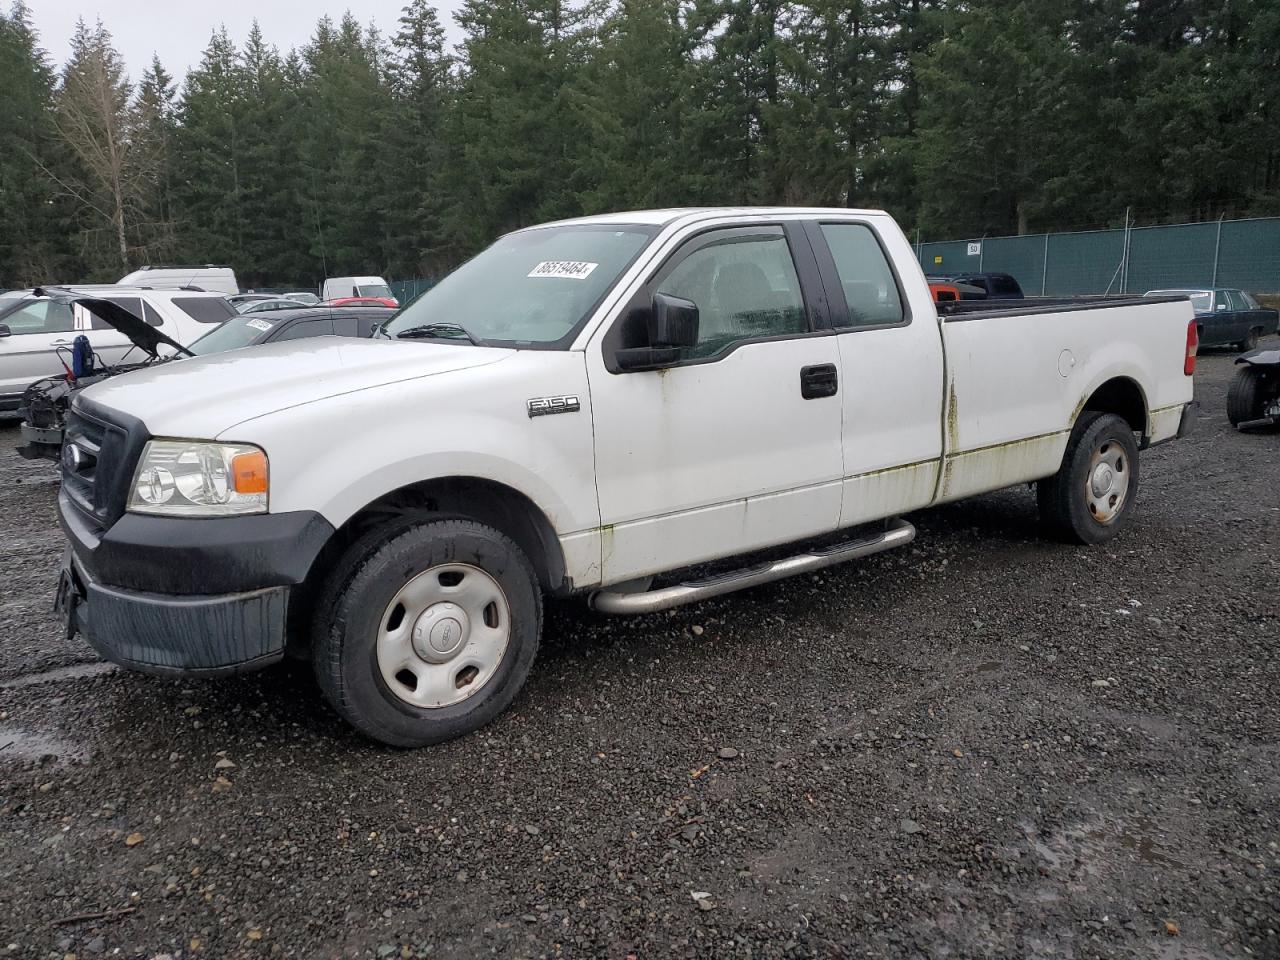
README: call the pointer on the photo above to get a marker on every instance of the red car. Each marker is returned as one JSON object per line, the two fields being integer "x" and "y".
{"x": 363, "y": 302}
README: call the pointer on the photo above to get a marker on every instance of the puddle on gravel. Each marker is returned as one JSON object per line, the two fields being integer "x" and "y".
{"x": 1146, "y": 847}
{"x": 77, "y": 671}
{"x": 18, "y": 743}
{"x": 1088, "y": 844}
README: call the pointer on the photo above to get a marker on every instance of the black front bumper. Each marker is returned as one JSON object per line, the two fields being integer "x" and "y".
{"x": 175, "y": 595}
{"x": 174, "y": 635}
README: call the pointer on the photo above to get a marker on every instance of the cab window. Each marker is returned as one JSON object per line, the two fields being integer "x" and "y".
{"x": 870, "y": 289}
{"x": 745, "y": 287}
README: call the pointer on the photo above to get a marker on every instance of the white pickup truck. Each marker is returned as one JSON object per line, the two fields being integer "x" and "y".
{"x": 582, "y": 407}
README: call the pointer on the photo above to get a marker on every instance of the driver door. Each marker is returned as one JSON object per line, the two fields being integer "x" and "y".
{"x": 737, "y": 446}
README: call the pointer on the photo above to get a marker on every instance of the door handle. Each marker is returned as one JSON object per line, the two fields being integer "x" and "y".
{"x": 60, "y": 343}
{"x": 819, "y": 381}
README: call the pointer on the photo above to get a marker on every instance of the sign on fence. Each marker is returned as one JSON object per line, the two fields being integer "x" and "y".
{"x": 975, "y": 249}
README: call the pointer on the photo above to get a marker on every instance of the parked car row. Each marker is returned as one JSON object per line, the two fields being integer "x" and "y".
{"x": 35, "y": 329}
{"x": 44, "y": 403}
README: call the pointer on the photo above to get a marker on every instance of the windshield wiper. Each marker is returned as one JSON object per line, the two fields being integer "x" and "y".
{"x": 440, "y": 331}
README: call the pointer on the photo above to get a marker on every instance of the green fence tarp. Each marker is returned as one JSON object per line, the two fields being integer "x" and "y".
{"x": 1233, "y": 253}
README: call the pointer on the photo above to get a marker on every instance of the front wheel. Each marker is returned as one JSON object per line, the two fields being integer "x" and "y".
{"x": 428, "y": 634}
{"x": 1090, "y": 498}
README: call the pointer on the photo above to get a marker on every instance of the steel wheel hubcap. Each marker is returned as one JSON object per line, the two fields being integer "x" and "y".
{"x": 443, "y": 635}
{"x": 1107, "y": 482}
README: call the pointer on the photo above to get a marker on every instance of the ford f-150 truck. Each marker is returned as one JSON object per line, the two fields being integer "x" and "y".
{"x": 714, "y": 398}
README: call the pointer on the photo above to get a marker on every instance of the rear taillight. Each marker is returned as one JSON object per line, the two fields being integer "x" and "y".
{"x": 1193, "y": 342}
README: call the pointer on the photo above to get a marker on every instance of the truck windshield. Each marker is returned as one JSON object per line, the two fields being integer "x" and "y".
{"x": 532, "y": 288}
{"x": 238, "y": 332}
{"x": 374, "y": 290}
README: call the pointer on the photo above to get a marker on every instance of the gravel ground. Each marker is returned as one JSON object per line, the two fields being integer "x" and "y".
{"x": 983, "y": 745}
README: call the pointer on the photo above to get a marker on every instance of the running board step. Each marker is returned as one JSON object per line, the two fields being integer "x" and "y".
{"x": 898, "y": 534}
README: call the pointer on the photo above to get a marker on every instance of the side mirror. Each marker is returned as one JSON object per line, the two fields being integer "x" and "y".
{"x": 672, "y": 326}
{"x": 673, "y": 322}
{"x": 5, "y": 331}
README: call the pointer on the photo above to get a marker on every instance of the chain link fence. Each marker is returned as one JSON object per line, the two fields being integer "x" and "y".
{"x": 406, "y": 290}
{"x": 1224, "y": 253}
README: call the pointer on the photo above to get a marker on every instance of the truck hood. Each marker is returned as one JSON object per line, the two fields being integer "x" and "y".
{"x": 202, "y": 397}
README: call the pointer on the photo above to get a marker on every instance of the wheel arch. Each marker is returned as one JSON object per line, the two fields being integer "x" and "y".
{"x": 1122, "y": 396}
{"x": 486, "y": 501}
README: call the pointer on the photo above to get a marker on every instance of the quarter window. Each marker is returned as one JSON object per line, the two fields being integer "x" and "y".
{"x": 745, "y": 287}
{"x": 869, "y": 287}
{"x": 131, "y": 304}
{"x": 205, "y": 309}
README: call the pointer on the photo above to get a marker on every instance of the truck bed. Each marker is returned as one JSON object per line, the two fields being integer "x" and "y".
{"x": 978, "y": 309}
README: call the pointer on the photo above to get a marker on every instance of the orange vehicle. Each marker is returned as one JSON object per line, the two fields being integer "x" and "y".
{"x": 944, "y": 292}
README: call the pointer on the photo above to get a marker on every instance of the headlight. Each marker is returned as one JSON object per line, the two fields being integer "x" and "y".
{"x": 191, "y": 478}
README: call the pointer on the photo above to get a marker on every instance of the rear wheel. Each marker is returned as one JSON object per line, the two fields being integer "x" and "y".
{"x": 428, "y": 634}
{"x": 1250, "y": 342}
{"x": 1090, "y": 498}
{"x": 1246, "y": 396}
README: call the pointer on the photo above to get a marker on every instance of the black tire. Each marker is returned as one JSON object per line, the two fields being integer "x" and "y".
{"x": 1064, "y": 499}
{"x": 355, "y": 597}
{"x": 1245, "y": 395}
{"x": 1250, "y": 342}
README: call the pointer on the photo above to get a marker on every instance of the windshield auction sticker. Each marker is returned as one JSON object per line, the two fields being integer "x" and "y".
{"x": 569, "y": 269}
{"x": 263, "y": 325}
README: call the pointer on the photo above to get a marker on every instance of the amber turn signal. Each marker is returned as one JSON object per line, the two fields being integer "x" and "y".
{"x": 249, "y": 472}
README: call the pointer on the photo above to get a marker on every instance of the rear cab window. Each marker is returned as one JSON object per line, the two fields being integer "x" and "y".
{"x": 867, "y": 281}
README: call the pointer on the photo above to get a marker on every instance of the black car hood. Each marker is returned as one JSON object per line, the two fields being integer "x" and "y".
{"x": 1261, "y": 358}
{"x": 141, "y": 333}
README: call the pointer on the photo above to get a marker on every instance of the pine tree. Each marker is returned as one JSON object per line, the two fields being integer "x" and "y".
{"x": 634, "y": 98}
{"x": 208, "y": 193}
{"x": 513, "y": 134}
{"x": 412, "y": 150}
{"x": 344, "y": 98}
{"x": 151, "y": 132}
{"x": 992, "y": 113}
{"x": 34, "y": 244}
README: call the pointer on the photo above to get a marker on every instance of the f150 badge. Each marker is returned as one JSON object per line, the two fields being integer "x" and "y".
{"x": 542, "y": 406}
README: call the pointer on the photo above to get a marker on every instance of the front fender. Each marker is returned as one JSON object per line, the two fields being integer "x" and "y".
{"x": 339, "y": 454}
